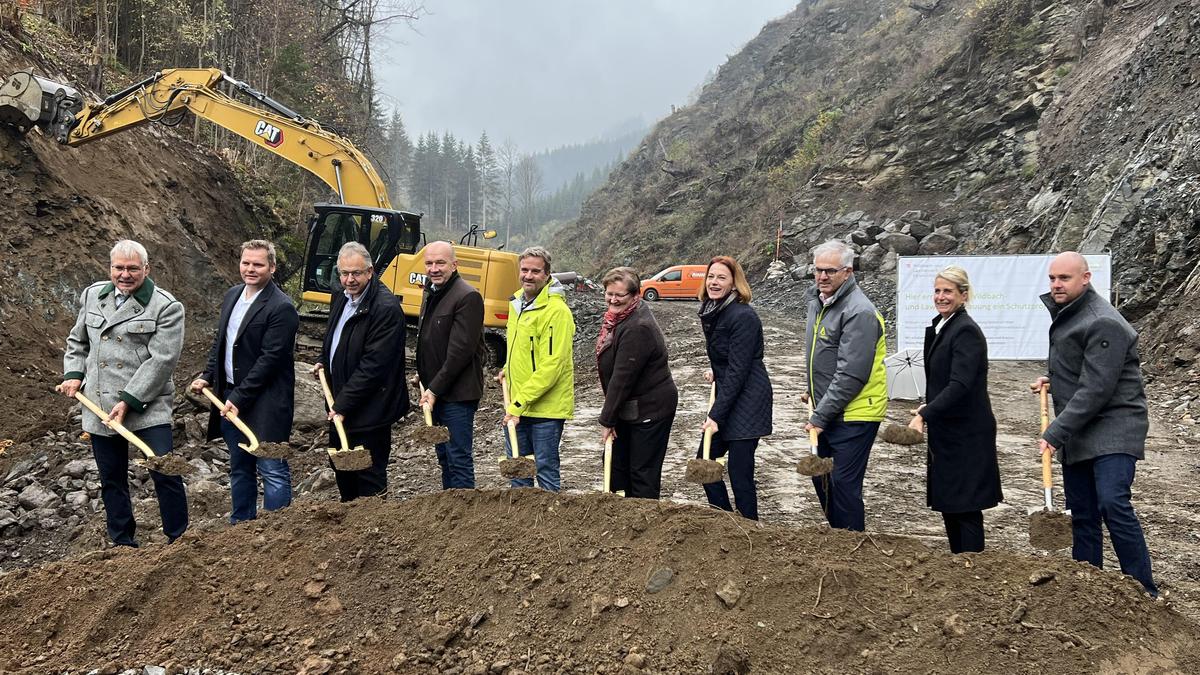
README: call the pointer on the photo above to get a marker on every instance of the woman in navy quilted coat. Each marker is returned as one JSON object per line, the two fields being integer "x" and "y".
{"x": 741, "y": 414}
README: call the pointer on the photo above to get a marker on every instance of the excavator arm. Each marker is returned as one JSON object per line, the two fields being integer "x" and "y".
{"x": 27, "y": 100}
{"x": 364, "y": 215}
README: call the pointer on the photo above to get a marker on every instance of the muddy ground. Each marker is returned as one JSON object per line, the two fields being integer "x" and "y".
{"x": 525, "y": 582}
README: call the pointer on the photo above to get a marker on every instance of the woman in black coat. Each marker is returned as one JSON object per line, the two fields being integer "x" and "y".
{"x": 741, "y": 414}
{"x": 639, "y": 394}
{"x": 963, "y": 476}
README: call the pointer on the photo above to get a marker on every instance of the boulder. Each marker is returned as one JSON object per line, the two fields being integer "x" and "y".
{"x": 79, "y": 468}
{"x": 871, "y": 258}
{"x": 35, "y": 497}
{"x": 310, "y": 402}
{"x": 861, "y": 238}
{"x": 919, "y": 229}
{"x": 938, "y": 242}
{"x": 901, "y": 244}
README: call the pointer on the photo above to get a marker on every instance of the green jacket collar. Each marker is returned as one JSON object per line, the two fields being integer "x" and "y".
{"x": 142, "y": 294}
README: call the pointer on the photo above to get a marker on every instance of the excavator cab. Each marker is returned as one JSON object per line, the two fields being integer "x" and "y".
{"x": 384, "y": 232}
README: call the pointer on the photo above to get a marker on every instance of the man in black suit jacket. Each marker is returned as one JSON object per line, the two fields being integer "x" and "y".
{"x": 252, "y": 366}
{"x": 363, "y": 357}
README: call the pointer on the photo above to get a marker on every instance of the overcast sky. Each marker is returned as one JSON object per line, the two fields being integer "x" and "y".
{"x": 547, "y": 73}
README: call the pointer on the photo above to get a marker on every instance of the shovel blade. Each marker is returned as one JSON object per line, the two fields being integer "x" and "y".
{"x": 355, "y": 459}
{"x": 1050, "y": 530}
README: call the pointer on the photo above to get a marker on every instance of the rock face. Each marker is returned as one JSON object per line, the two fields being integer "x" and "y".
{"x": 1076, "y": 131}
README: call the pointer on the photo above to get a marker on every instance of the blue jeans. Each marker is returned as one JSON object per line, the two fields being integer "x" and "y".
{"x": 540, "y": 438}
{"x": 740, "y": 468}
{"x": 244, "y": 469}
{"x": 1098, "y": 489}
{"x": 841, "y": 492}
{"x": 112, "y": 459}
{"x": 455, "y": 455}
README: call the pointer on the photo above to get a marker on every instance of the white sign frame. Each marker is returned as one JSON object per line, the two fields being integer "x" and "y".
{"x": 1005, "y": 299}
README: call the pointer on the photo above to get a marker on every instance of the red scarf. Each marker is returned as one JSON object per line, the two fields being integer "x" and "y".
{"x": 611, "y": 320}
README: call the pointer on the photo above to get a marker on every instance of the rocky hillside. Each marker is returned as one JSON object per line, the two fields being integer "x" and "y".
{"x": 65, "y": 207}
{"x": 935, "y": 126}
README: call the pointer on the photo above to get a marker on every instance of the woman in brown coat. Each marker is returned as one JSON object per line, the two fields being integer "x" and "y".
{"x": 639, "y": 395}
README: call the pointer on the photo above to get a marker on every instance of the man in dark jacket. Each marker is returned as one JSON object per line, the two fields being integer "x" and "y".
{"x": 1101, "y": 420}
{"x": 450, "y": 357}
{"x": 363, "y": 356}
{"x": 252, "y": 368}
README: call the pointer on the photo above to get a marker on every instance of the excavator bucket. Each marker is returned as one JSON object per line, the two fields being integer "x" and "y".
{"x": 27, "y": 100}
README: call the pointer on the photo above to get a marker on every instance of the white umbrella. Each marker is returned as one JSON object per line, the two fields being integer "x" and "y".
{"x": 906, "y": 374}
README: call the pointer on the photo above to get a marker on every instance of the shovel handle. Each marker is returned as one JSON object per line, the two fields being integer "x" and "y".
{"x": 1046, "y": 480}
{"x": 1044, "y": 395}
{"x": 337, "y": 419}
{"x": 425, "y": 407}
{"x": 325, "y": 387}
{"x": 812, "y": 433}
{"x": 115, "y": 426}
{"x": 237, "y": 422}
{"x": 608, "y": 464}
{"x": 512, "y": 426}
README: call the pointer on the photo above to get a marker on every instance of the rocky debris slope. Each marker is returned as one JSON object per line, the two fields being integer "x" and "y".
{"x": 65, "y": 207}
{"x": 526, "y": 581}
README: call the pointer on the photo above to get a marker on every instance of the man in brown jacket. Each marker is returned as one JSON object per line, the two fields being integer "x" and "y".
{"x": 450, "y": 358}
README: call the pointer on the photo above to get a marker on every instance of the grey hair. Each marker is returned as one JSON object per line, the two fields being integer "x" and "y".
{"x": 839, "y": 247}
{"x": 625, "y": 275}
{"x": 536, "y": 252}
{"x": 355, "y": 248}
{"x": 261, "y": 245}
{"x": 128, "y": 248}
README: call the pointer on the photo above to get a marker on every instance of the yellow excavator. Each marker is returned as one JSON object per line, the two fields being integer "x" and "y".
{"x": 363, "y": 212}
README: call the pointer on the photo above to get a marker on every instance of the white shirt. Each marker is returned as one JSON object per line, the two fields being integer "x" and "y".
{"x": 348, "y": 311}
{"x": 231, "y": 331}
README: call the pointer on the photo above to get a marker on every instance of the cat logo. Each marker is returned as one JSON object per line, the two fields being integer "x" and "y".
{"x": 416, "y": 279}
{"x": 270, "y": 133}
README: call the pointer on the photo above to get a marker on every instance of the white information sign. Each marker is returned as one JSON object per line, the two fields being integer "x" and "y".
{"x": 1005, "y": 299}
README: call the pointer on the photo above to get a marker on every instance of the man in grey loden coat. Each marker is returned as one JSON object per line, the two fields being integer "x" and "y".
{"x": 122, "y": 352}
{"x": 1100, "y": 425}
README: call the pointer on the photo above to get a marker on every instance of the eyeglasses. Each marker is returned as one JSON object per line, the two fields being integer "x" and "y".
{"x": 827, "y": 271}
{"x": 616, "y": 296}
{"x": 352, "y": 274}
{"x": 122, "y": 269}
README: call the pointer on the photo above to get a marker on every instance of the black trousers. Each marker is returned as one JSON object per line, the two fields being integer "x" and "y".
{"x": 740, "y": 468}
{"x": 637, "y": 457}
{"x": 965, "y": 531}
{"x": 112, "y": 459}
{"x": 368, "y": 482}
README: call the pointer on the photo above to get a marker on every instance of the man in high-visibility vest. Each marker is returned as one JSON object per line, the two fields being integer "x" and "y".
{"x": 847, "y": 382}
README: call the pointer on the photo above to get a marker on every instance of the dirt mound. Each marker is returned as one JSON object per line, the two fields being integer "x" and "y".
{"x": 527, "y": 581}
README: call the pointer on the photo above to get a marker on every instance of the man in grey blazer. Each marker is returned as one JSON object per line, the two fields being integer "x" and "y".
{"x": 122, "y": 352}
{"x": 1101, "y": 418}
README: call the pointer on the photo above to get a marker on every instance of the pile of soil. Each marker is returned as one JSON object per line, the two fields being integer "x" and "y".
{"x": 528, "y": 581}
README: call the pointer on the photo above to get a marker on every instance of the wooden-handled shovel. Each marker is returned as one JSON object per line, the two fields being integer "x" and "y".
{"x": 344, "y": 459}
{"x": 608, "y": 443}
{"x": 168, "y": 465}
{"x": 515, "y": 466}
{"x": 813, "y": 464}
{"x": 429, "y": 434}
{"x": 252, "y": 447}
{"x": 705, "y": 469}
{"x": 1049, "y": 530}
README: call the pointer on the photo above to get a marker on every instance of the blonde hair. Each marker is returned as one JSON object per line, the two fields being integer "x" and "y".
{"x": 957, "y": 276}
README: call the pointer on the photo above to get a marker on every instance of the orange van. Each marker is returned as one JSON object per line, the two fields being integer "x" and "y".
{"x": 677, "y": 281}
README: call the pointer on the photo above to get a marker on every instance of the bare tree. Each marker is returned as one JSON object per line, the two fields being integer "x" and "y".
{"x": 508, "y": 159}
{"x": 529, "y": 189}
